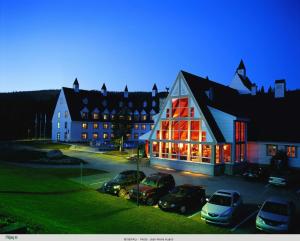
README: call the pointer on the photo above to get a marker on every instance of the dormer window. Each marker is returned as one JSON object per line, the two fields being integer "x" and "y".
{"x": 144, "y": 117}
{"x": 112, "y": 116}
{"x": 95, "y": 116}
{"x": 84, "y": 125}
{"x": 145, "y": 104}
{"x": 58, "y": 115}
{"x": 105, "y": 116}
{"x": 129, "y": 117}
{"x": 84, "y": 115}
{"x": 85, "y": 101}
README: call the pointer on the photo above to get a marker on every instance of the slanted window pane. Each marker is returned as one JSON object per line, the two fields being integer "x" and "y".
{"x": 227, "y": 153}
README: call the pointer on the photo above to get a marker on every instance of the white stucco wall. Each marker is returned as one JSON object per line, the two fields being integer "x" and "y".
{"x": 257, "y": 152}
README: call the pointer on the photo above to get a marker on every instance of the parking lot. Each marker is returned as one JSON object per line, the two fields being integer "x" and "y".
{"x": 253, "y": 194}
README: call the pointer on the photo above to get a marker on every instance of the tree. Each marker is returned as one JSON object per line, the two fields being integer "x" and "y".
{"x": 280, "y": 161}
{"x": 121, "y": 127}
{"x": 262, "y": 90}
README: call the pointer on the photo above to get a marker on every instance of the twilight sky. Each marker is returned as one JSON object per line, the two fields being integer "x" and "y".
{"x": 46, "y": 44}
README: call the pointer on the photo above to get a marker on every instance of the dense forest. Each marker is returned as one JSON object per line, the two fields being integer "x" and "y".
{"x": 23, "y": 114}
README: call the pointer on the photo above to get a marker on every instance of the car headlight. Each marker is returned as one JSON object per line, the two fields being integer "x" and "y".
{"x": 144, "y": 194}
{"x": 259, "y": 220}
{"x": 117, "y": 187}
{"x": 172, "y": 205}
{"x": 226, "y": 213}
{"x": 159, "y": 201}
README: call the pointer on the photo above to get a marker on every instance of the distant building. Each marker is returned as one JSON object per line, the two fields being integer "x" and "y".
{"x": 206, "y": 127}
{"x": 87, "y": 116}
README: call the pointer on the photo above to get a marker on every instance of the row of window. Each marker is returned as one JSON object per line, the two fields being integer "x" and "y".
{"x": 96, "y": 116}
{"x": 58, "y": 125}
{"x": 291, "y": 151}
{"x": 105, "y": 135}
{"x": 191, "y": 152}
{"x": 66, "y": 114}
{"x": 84, "y": 125}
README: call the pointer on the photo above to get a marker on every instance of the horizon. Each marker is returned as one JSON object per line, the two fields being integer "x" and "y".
{"x": 46, "y": 45}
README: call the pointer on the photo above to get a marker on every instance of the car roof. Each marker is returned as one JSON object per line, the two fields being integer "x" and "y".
{"x": 162, "y": 174}
{"x": 226, "y": 192}
{"x": 190, "y": 186}
{"x": 277, "y": 199}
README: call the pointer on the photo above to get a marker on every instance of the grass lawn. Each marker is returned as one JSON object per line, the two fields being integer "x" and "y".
{"x": 82, "y": 210}
{"x": 45, "y": 145}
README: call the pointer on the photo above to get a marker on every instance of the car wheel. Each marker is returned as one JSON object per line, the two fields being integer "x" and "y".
{"x": 183, "y": 209}
{"x": 150, "y": 201}
{"x": 123, "y": 193}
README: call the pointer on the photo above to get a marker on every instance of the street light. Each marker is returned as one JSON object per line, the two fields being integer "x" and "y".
{"x": 138, "y": 175}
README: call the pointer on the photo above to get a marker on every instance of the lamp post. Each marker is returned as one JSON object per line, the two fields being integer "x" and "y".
{"x": 138, "y": 175}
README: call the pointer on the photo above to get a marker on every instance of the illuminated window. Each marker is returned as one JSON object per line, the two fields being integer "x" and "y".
{"x": 105, "y": 116}
{"x": 165, "y": 130}
{"x": 203, "y": 138}
{"x": 180, "y": 130}
{"x": 240, "y": 139}
{"x": 155, "y": 149}
{"x": 227, "y": 153}
{"x": 168, "y": 113}
{"x": 58, "y": 115}
{"x": 129, "y": 117}
{"x": 195, "y": 154}
{"x": 291, "y": 151}
{"x": 136, "y": 136}
{"x": 111, "y": 117}
{"x": 84, "y": 125}
{"x": 143, "y": 127}
{"x": 84, "y": 136}
{"x": 95, "y": 135}
{"x": 195, "y": 129}
{"x": 180, "y": 107}
{"x": 128, "y": 136}
{"x": 66, "y": 114}
{"x": 95, "y": 125}
{"x": 152, "y": 126}
{"x": 105, "y": 135}
{"x": 206, "y": 153}
{"x": 112, "y": 135}
{"x": 95, "y": 116}
{"x": 84, "y": 115}
{"x": 218, "y": 154}
{"x": 271, "y": 150}
{"x": 192, "y": 112}
{"x": 158, "y": 134}
{"x": 164, "y": 149}
{"x": 105, "y": 126}
{"x": 144, "y": 117}
{"x": 58, "y": 125}
{"x": 58, "y": 136}
{"x": 136, "y": 126}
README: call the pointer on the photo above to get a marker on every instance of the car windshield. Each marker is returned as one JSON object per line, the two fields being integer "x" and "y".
{"x": 180, "y": 191}
{"x": 120, "y": 177}
{"x": 220, "y": 200}
{"x": 150, "y": 181}
{"x": 277, "y": 208}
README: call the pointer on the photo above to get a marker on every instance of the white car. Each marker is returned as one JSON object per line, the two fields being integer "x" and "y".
{"x": 221, "y": 207}
{"x": 275, "y": 216}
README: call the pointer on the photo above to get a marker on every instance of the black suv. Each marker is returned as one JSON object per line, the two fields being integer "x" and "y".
{"x": 122, "y": 183}
{"x": 183, "y": 198}
{"x": 153, "y": 187}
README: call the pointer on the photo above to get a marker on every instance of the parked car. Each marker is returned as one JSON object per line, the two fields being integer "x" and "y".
{"x": 276, "y": 215}
{"x": 222, "y": 207}
{"x": 279, "y": 178}
{"x": 256, "y": 173}
{"x": 183, "y": 198}
{"x": 152, "y": 188}
{"x": 122, "y": 183}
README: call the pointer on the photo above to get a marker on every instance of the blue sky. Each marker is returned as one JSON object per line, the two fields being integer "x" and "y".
{"x": 46, "y": 44}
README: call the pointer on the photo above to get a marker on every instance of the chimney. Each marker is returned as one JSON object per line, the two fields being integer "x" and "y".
{"x": 126, "y": 92}
{"x": 104, "y": 90}
{"x": 154, "y": 90}
{"x": 253, "y": 89}
{"x": 76, "y": 86}
{"x": 280, "y": 88}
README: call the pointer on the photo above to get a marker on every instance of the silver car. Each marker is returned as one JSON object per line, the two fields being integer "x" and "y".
{"x": 275, "y": 215}
{"x": 221, "y": 207}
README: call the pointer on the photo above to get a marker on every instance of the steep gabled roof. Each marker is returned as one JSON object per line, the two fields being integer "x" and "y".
{"x": 76, "y": 82}
{"x": 154, "y": 87}
{"x": 241, "y": 65}
{"x": 246, "y": 81}
{"x": 270, "y": 119}
{"x": 95, "y": 100}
